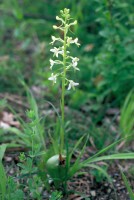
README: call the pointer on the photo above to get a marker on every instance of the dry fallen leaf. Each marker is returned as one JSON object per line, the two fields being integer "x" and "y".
{"x": 7, "y": 120}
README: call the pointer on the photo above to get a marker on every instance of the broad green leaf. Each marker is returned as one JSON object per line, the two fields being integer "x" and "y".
{"x": 127, "y": 115}
{"x": 2, "y": 151}
{"x": 2, "y": 182}
{"x": 2, "y": 172}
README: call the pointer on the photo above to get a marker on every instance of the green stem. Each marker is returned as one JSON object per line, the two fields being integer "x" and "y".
{"x": 62, "y": 133}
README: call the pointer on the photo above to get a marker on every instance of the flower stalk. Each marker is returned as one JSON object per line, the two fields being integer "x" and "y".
{"x": 62, "y": 132}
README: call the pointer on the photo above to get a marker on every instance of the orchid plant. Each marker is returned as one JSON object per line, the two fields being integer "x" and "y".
{"x": 60, "y": 65}
{"x": 64, "y": 61}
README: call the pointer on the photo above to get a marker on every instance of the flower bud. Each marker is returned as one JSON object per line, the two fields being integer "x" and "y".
{"x": 61, "y": 11}
{"x": 57, "y": 17}
{"x": 66, "y": 11}
{"x": 75, "y": 22}
{"x": 55, "y": 27}
{"x": 56, "y": 168}
{"x": 30, "y": 114}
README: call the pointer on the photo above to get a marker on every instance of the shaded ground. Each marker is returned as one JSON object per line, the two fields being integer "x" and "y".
{"x": 103, "y": 190}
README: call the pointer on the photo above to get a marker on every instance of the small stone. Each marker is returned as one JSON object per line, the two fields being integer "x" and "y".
{"x": 11, "y": 171}
{"x": 106, "y": 184}
{"x": 8, "y": 159}
{"x": 118, "y": 184}
{"x": 109, "y": 190}
{"x": 93, "y": 193}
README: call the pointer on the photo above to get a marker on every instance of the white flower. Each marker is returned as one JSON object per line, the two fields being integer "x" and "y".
{"x": 76, "y": 42}
{"x": 72, "y": 84}
{"x": 53, "y": 78}
{"x": 56, "y": 51}
{"x": 71, "y": 41}
{"x": 52, "y": 62}
{"x": 75, "y": 62}
{"x": 55, "y": 27}
{"x": 53, "y": 40}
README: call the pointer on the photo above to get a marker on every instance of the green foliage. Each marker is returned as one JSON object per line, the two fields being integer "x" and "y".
{"x": 2, "y": 151}
{"x": 13, "y": 191}
{"x": 8, "y": 188}
{"x": 99, "y": 173}
{"x": 27, "y": 166}
{"x": 96, "y": 133}
{"x": 131, "y": 194}
{"x": 3, "y": 178}
{"x": 78, "y": 165}
{"x": 56, "y": 195}
{"x": 35, "y": 184}
{"x": 127, "y": 115}
{"x": 115, "y": 60}
{"x": 78, "y": 98}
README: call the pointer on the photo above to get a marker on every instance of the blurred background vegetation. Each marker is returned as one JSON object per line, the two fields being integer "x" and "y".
{"x": 106, "y": 32}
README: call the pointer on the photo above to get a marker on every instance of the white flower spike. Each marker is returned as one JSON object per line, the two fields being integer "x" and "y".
{"x": 72, "y": 84}
{"x": 67, "y": 61}
{"x": 63, "y": 65}
{"x": 56, "y": 51}
{"x": 53, "y": 78}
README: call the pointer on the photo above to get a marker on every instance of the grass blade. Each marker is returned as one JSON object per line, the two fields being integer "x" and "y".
{"x": 131, "y": 194}
{"x": 110, "y": 157}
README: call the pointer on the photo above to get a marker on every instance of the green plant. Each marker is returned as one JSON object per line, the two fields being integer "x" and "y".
{"x": 99, "y": 174}
{"x": 66, "y": 64}
{"x": 127, "y": 115}
{"x": 111, "y": 58}
{"x": 56, "y": 195}
{"x": 127, "y": 184}
{"x": 35, "y": 187}
{"x": 3, "y": 178}
{"x": 12, "y": 190}
{"x": 8, "y": 187}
